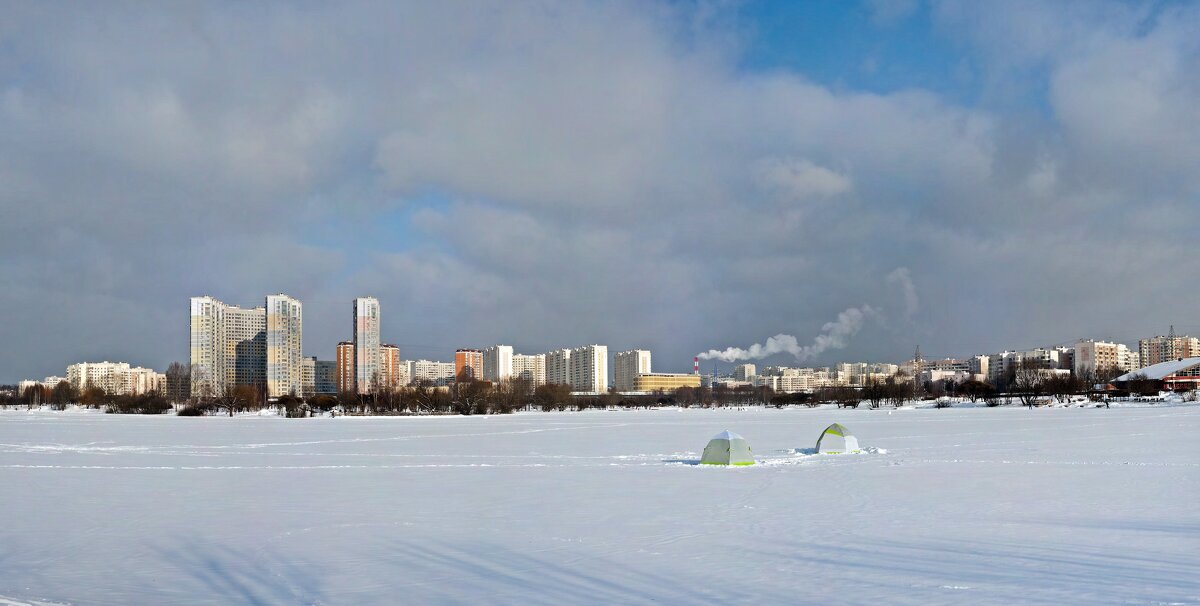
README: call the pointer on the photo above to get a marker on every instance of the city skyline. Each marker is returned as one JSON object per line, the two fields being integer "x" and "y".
{"x": 680, "y": 177}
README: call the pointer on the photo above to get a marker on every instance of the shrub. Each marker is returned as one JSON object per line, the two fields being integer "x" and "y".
{"x": 190, "y": 411}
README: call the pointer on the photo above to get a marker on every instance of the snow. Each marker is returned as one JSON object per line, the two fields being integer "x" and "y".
{"x": 1162, "y": 370}
{"x": 974, "y": 505}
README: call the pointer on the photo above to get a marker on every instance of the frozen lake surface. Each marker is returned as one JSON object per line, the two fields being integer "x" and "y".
{"x": 960, "y": 506}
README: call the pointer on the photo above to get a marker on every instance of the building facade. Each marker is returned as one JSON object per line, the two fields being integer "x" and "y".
{"x": 284, "y": 346}
{"x": 389, "y": 366}
{"x": 468, "y": 364}
{"x": 367, "y": 372}
{"x": 663, "y": 381}
{"x": 428, "y": 372}
{"x": 558, "y": 367}
{"x": 115, "y": 378}
{"x": 325, "y": 378}
{"x": 227, "y": 346}
{"x": 588, "y": 369}
{"x": 743, "y": 372}
{"x": 1159, "y": 349}
{"x": 1092, "y": 357}
{"x": 627, "y": 365}
{"x": 498, "y": 363}
{"x": 344, "y": 363}
{"x": 530, "y": 368}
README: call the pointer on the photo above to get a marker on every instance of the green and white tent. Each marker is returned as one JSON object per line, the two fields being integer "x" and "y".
{"x": 727, "y": 448}
{"x": 836, "y": 439}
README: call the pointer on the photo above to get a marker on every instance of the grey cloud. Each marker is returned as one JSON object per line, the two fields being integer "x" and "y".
{"x": 599, "y": 172}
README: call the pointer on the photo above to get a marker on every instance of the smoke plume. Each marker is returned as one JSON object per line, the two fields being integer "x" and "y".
{"x": 834, "y": 335}
{"x": 901, "y": 277}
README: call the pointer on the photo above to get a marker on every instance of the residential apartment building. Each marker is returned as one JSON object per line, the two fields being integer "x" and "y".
{"x": 390, "y": 371}
{"x": 344, "y": 367}
{"x": 430, "y": 372}
{"x": 785, "y": 384}
{"x": 284, "y": 346}
{"x": 468, "y": 364}
{"x": 1167, "y": 348}
{"x": 1093, "y": 356}
{"x": 558, "y": 367}
{"x": 498, "y": 363}
{"x": 627, "y": 365}
{"x": 367, "y": 358}
{"x": 588, "y": 369}
{"x": 116, "y": 378}
{"x": 325, "y": 378}
{"x": 978, "y": 367}
{"x": 227, "y": 346}
{"x": 530, "y": 368}
{"x": 320, "y": 377}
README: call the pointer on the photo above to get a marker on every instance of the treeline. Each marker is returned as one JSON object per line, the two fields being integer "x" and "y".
{"x": 64, "y": 394}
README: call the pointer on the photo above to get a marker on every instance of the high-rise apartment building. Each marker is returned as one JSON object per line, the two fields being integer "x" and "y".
{"x": 344, "y": 362}
{"x": 627, "y": 365}
{"x": 284, "y": 348}
{"x": 530, "y": 368}
{"x": 367, "y": 372}
{"x": 558, "y": 367}
{"x": 389, "y": 366}
{"x": 227, "y": 346}
{"x": 1160, "y": 349}
{"x": 468, "y": 364}
{"x": 743, "y": 372}
{"x": 498, "y": 363}
{"x": 588, "y": 369}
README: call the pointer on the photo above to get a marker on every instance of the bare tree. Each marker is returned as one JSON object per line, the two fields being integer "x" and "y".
{"x": 179, "y": 382}
{"x": 1029, "y": 382}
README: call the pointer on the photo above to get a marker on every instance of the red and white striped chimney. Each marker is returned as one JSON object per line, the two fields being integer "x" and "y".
{"x": 696, "y": 365}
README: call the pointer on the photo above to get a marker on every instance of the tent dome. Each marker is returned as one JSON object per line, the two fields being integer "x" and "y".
{"x": 727, "y": 448}
{"x": 836, "y": 439}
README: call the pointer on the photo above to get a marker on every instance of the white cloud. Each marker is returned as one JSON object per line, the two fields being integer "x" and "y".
{"x": 799, "y": 178}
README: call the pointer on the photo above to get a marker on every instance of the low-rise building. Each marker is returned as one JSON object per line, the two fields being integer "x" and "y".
{"x": 664, "y": 381}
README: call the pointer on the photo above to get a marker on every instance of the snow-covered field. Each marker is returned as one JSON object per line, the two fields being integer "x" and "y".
{"x": 970, "y": 506}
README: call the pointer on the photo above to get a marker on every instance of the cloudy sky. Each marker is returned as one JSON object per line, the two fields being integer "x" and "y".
{"x": 969, "y": 176}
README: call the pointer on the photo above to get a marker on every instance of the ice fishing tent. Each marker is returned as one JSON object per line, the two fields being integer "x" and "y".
{"x": 727, "y": 448}
{"x": 836, "y": 439}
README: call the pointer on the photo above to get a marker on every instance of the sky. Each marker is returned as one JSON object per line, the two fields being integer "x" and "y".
{"x": 679, "y": 176}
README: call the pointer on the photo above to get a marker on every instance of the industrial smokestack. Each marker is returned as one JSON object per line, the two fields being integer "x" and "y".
{"x": 696, "y": 365}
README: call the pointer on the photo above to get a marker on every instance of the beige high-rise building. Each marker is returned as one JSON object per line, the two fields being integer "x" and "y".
{"x": 367, "y": 359}
{"x": 389, "y": 366}
{"x": 284, "y": 346}
{"x": 530, "y": 368}
{"x": 744, "y": 372}
{"x": 588, "y": 369}
{"x": 627, "y": 365}
{"x": 345, "y": 367}
{"x": 558, "y": 367}
{"x": 227, "y": 346}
